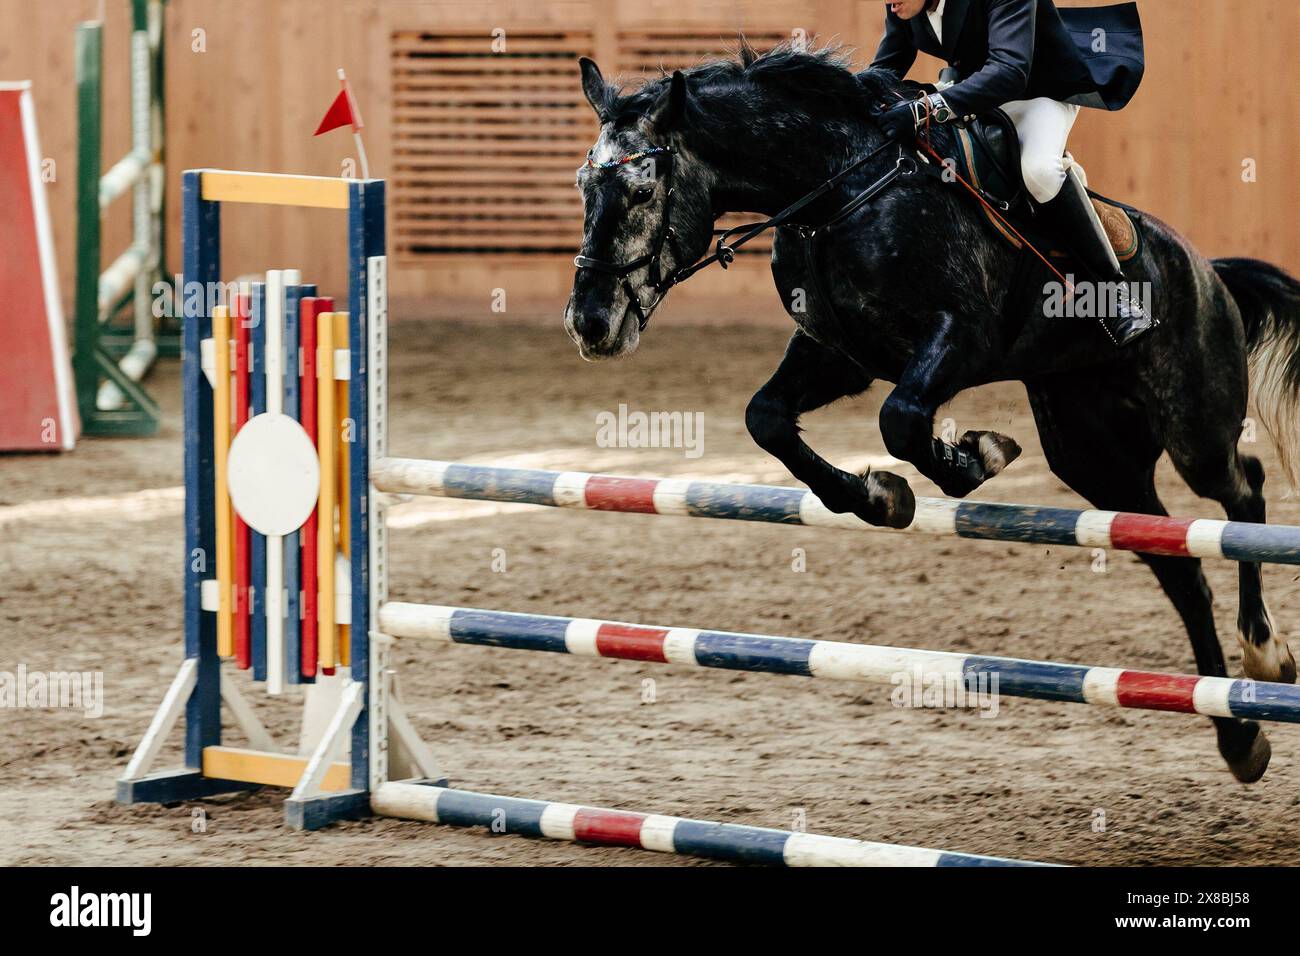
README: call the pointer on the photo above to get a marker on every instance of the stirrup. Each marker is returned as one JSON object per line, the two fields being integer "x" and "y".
{"x": 1129, "y": 322}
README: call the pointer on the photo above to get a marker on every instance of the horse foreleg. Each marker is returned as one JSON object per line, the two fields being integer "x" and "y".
{"x": 907, "y": 419}
{"x": 810, "y": 376}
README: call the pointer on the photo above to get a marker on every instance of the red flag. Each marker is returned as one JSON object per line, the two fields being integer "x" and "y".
{"x": 339, "y": 114}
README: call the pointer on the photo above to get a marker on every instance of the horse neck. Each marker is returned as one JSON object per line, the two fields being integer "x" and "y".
{"x": 761, "y": 159}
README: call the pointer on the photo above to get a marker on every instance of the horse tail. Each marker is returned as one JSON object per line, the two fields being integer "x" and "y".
{"x": 1269, "y": 301}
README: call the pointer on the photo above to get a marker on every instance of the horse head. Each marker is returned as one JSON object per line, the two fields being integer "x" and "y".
{"x": 743, "y": 135}
{"x": 645, "y": 215}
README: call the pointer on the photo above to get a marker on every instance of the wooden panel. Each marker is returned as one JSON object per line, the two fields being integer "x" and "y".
{"x": 527, "y": 101}
{"x": 248, "y": 80}
{"x": 653, "y": 51}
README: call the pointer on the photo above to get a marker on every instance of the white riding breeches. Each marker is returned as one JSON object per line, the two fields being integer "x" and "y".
{"x": 1043, "y": 126}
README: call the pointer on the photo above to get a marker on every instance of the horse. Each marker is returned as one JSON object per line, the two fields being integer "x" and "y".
{"x": 914, "y": 288}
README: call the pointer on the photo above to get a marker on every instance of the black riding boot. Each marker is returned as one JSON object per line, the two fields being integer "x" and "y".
{"x": 1074, "y": 220}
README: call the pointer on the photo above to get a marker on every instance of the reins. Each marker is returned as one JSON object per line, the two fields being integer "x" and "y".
{"x": 724, "y": 252}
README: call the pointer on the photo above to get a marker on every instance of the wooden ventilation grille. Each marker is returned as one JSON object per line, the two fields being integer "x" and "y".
{"x": 485, "y": 144}
{"x": 645, "y": 54}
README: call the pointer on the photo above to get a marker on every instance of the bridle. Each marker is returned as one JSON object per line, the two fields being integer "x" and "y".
{"x": 667, "y": 237}
{"x": 724, "y": 250}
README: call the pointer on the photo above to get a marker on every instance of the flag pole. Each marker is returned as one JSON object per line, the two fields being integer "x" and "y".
{"x": 357, "y": 126}
{"x": 361, "y": 154}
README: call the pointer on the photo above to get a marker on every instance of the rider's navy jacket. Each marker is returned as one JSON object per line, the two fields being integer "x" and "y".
{"x": 1019, "y": 49}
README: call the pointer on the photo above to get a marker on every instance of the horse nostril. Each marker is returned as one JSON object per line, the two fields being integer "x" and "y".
{"x": 591, "y": 326}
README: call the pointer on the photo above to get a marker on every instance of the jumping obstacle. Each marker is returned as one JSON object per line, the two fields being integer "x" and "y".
{"x": 287, "y": 485}
{"x": 254, "y": 477}
{"x": 116, "y": 339}
{"x": 38, "y": 410}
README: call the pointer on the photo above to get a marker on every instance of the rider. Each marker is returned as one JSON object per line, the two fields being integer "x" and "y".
{"x": 1038, "y": 64}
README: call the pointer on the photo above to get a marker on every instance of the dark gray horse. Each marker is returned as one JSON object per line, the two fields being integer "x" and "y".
{"x": 913, "y": 288}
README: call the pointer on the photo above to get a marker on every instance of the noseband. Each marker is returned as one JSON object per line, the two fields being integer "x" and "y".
{"x": 667, "y": 236}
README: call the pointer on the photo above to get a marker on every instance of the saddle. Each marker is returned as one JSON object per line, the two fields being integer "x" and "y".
{"x": 987, "y": 155}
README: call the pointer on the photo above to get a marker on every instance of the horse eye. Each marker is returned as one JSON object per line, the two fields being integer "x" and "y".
{"x": 642, "y": 193}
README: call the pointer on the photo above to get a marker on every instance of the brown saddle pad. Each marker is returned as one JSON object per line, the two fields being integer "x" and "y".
{"x": 1119, "y": 228}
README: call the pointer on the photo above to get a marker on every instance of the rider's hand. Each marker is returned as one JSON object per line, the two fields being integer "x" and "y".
{"x": 899, "y": 123}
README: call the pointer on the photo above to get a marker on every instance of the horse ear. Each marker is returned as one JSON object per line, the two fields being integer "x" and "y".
{"x": 595, "y": 88}
{"x": 671, "y": 108}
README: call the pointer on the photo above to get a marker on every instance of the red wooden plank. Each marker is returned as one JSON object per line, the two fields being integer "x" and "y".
{"x": 309, "y": 308}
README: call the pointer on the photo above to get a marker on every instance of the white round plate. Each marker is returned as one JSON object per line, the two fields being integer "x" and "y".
{"x": 273, "y": 474}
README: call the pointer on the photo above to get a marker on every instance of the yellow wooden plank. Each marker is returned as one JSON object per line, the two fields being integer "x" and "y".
{"x": 326, "y": 433}
{"x": 221, "y": 447}
{"x": 274, "y": 189}
{"x": 269, "y": 769}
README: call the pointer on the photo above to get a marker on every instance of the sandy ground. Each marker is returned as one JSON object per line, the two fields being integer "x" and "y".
{"x": 90, "y": 579}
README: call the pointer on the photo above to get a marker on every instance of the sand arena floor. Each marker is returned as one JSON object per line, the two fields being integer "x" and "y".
{"x": 90, "y": 579}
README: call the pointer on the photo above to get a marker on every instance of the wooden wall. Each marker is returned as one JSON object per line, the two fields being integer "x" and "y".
{"x": 248, "y": 80}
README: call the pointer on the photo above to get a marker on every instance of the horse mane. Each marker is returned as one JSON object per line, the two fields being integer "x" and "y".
{"x": 785, "y": 94}
{"x": 819, "y": 79}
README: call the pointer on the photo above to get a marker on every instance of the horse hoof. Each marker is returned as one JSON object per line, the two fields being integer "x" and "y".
{"x": 892, "y": 503}
{"x": 1270, "y": 661}
{"x": 995, "y": 450}
{"x": 1250, "y": 765}
{"x": 1288, "y": 674}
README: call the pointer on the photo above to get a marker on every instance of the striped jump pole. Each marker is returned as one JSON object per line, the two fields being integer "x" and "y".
{"x": 837, "y": 660}
{"x": 989, "y": 521}
{"x": 728, "y": 842}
